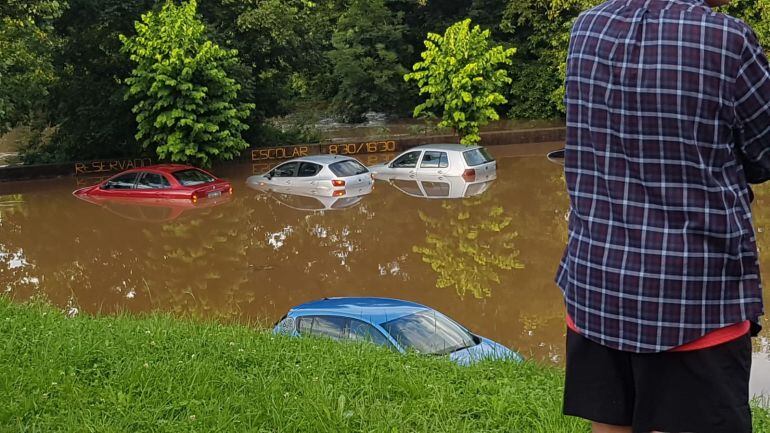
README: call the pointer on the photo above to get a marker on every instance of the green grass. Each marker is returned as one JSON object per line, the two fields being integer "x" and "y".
{"x": 157, "y": 373}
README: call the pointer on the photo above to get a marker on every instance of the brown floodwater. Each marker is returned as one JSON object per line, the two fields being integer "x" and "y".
{"x": 487, "y": 261}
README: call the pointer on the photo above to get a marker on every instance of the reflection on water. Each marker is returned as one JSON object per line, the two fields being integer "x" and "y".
{"x": 468, "y": 244}
{"x": 439, "y": 187}
{"x": 311, "y": 199}
{"x": 487, "y": 260}
{"x": 152, "y": 209}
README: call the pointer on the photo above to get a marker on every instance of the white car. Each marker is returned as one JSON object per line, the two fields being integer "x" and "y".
{"x": 322, "y": 172}
{"x": 439, "y": 160}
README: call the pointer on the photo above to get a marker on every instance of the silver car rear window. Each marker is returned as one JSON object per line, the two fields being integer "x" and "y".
{"x": 348, "y": 168}
{"x": 477, "y": 157}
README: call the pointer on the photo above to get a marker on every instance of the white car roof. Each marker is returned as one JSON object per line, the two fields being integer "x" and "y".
{"x": 321, "y": 159}
{"x": 445, "y": 147}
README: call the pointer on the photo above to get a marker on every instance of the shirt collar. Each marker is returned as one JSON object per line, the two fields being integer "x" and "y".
{"x": 647, "y": 3}
{"x": 694, "y": 2}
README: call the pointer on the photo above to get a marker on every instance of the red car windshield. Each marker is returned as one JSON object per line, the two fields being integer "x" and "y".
{"x": 192, "y": 177}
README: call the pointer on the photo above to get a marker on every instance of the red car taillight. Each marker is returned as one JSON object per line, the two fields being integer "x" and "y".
{"x": 338, "y": 193}
{"x": 194, "y": 197}
{"x": 337, "y": 182}
{"x": 469, "y": 174}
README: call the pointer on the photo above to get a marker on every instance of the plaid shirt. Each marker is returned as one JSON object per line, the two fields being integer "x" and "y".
{"x": 668, "y": 120}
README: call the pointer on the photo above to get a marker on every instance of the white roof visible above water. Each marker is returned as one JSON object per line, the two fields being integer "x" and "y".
{"x": 322, "y": 159}
{"x": 446, "y": 147}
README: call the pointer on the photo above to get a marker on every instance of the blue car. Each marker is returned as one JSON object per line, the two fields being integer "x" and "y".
{"x": 399, "y": 325}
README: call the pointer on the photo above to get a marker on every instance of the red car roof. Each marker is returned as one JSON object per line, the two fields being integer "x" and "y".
{"x": 166, "y": 168}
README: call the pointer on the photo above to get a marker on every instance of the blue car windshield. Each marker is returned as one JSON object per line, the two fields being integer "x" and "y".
{"x": 429, "y": 332}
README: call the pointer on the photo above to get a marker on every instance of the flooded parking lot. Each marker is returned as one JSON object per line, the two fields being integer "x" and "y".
{"x": 486, "y": 259}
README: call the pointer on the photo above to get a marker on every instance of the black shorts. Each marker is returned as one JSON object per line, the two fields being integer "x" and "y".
{"x": 703, "y": 391}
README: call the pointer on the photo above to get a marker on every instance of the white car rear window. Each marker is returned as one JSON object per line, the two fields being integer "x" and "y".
{"x": 477, "y": 157}
{"x": 348, "y": 168}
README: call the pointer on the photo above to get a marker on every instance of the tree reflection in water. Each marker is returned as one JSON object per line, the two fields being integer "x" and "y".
{"x": 207, "y": 246}
{"x": 467, "y": 249}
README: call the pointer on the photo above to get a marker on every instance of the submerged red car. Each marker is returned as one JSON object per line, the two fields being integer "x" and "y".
{"x": 166, "y": 181}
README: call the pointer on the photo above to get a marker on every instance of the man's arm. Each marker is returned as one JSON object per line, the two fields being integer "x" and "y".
{"x": 752, "y": 110}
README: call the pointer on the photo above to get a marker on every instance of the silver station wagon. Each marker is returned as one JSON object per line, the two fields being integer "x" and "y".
{"x": 439, "y": 160}
{"x": 321, "y": 172}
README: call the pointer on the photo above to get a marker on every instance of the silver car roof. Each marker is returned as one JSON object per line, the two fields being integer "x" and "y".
{"x": 446, "y": 147}
{"x": 321, "y": 159}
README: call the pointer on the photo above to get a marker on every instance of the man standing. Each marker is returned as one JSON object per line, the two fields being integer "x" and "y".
{"x": 668, "y": 121}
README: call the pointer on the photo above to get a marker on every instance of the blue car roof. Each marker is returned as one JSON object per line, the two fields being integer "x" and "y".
{"x": 374, "y": 310}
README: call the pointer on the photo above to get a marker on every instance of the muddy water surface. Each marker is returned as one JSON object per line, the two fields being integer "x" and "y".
{"x": 488, "y": 261}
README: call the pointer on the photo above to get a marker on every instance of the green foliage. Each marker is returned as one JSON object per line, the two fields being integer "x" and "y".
{"x": 34, "y": 9}
{"x": 540, "y": 31}
{"x": 36, "y": 146}
{"x": 531, "y": 93}
{"x": 61, "y": 63}
{"x": 368, "y": 44}
{"x": 281, "y": 42}
{"x": 86, "y": 104}
{"x": 27, "y": 44}
{"x": 568, "y": 10}
{"x": 186, "y": 109}
{"x": 462, "y": 77}
{"x": 755, "y": 13}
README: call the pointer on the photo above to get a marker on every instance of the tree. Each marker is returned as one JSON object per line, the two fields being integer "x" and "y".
{"x": 86, "y": 102}
{"x": 462, "y": 77}
{"x": 368, "y": 44}
{"x": 540, "y": 31}
{"x": 186, "y": 109}
{"x": 755, "y": 13}
{"x": 27, "y": 44}
{"x": 275, "y": 40}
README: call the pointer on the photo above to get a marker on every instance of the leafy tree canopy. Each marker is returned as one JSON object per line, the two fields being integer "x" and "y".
{"x": 755, "y": 13}
{"x": 462, "y": 76}
{"x": 185, "y": 107}
{"x": 35, "y": 10}
{"x": 367, "y": 47}
{"x": 26, "y": 70}
{"x": 540, "y": 31}
{"x": 62, "y": 63}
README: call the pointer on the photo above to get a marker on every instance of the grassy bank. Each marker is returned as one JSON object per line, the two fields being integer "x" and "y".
{"x": 121, "y": 374}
